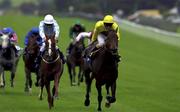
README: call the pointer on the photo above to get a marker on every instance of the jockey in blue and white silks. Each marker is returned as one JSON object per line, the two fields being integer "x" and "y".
{"x": 48, "y": 27}
{"x": 12, "y": 37}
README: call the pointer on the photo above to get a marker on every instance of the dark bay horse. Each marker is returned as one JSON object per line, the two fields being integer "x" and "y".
{"x": 8, "y": 60}
{"x": 104, "y": 68}
{"x": 51, "y": 69}
{"x": 75, "y": 59}
{"x": 29, "y": 56}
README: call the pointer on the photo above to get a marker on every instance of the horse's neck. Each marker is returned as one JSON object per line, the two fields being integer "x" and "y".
{"x": 104, "y": 58}
{"x": 9, "y": 53}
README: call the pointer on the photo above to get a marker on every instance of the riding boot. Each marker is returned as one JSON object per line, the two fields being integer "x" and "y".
{"x": 61, "y": 56}
{"x": 38, "y": 60}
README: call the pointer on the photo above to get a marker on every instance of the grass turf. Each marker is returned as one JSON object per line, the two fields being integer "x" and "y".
{"x": 147, "y": 82}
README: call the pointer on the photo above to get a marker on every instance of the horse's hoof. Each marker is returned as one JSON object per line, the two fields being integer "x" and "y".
{"x": 1, "y": 86}
{"x": 108, "y": 98}
{"x": 12, "y": 85}
{"x": 55, "y": 97}
{"x": 36, "y": 84}
{"x": 40, "y": 97}
{"x": 99, "y": 110}
{"x": 87, "y": 102}
{"x": 30, "y": 91}
{"x": 73, "y": 84}
{"x": 112, "y": 100}
{"x": 50, "y": 106}
{"x": 78, "y": 84}
{"x": 107, "y": 104}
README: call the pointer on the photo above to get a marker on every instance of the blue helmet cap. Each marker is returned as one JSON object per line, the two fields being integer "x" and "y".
{"x": 35, "y": 29}
{"x": 7, "y": 30}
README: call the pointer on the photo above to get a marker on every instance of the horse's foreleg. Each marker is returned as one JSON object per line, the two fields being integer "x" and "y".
{"x": 2, "y": 80}
{"x": 98, "y": 87}
{"x": 79, "y": 76}
{"x": 108, "y": 97}
{"x": 30, "y": 84}
{"x": 88, "y": 87}
{"x": 74, "y": 76}
{"x": 113, "y": 90}
{"x": 12, "y": 79}
{"x": 70, "y": 73}
{"x": 56, "y": 85}
{"x": 27, "y": 73}
{"x": 41, "y": 90}
{"x": 49, "y": 94}
{"x": 37, "y": 79}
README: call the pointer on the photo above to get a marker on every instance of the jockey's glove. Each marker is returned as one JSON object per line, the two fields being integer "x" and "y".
{"x": 98, "y": 45}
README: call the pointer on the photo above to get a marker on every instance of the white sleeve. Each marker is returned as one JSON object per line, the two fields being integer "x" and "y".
{"x": 82, "y": 35}
{"x": 56, "y": 29}
{"x": 41, "y": 30}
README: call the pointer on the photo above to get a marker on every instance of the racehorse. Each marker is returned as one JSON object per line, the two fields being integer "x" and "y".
{"x": 8, "y": 59}
{"x": 29, "y": 56}
{"x": 75, "y": 59}
{"x": 51, "y": 69}
{"x": 104, "y": 68}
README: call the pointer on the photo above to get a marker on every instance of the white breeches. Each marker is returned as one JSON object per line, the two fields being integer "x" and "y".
{"x": 101, "y": 39}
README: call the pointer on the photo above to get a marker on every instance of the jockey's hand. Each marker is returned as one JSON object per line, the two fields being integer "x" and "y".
{"x": 98, "y": 46}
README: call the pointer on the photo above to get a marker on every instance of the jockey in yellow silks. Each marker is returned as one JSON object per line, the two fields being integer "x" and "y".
{"x": 101, "y": 31}
{"x": 101, "y": 28}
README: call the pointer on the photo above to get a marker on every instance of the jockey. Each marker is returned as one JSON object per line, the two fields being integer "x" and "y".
{"x": 101, "y": 30}
{"x": 76, "y": 29}
{"x": 73, "y": 33}
{"x": 33, "y": 32}
{"x": 13, "y": 39}
{"x": 48, "y": 26}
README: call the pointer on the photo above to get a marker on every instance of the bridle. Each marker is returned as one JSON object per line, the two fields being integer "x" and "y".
{"x": 50, "y": 52}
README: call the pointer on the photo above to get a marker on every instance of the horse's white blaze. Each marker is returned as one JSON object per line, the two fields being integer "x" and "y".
{"x": 5, "y": 40}
{"x": 49, "y": 50}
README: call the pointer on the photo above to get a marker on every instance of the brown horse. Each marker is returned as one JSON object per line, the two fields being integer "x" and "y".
{"x": 75, "y": 59}
{"x": 51, "y": 69}
{"x": 29, "y": 56}
{"x": 104, "y": 68}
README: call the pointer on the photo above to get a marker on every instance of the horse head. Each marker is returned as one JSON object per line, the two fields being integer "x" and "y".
{"x": 50, "y": 54}
{"x": 111, "y": 43}
{"x": 5, "y": 41}
{"x": 32, "y": 47}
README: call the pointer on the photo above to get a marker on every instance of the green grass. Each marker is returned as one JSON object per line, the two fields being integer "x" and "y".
{"x": 148, "y": 76}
